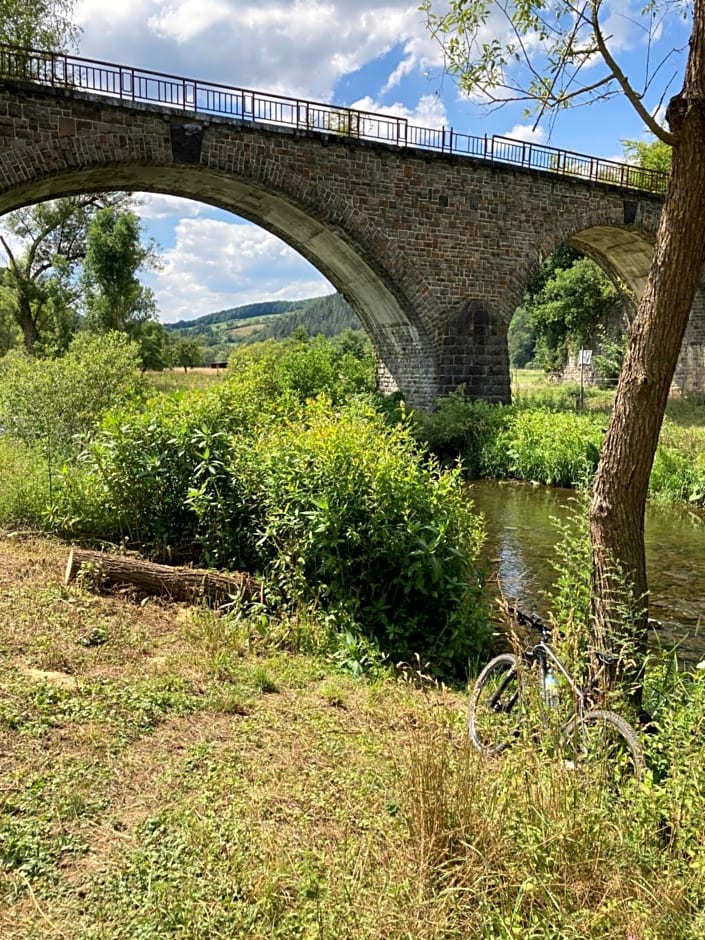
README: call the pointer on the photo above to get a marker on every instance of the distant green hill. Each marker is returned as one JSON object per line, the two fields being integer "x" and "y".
{"x": 221, "y": 332}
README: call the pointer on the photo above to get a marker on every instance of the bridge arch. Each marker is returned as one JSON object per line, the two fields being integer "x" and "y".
{"x": 385, "y": 305}
{"x": 624, "y": 251}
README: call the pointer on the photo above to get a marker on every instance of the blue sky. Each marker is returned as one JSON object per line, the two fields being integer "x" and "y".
{"x": 352, "y": 53}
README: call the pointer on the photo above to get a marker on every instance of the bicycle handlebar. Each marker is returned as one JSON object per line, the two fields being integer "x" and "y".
{"x": 531, "y": 620}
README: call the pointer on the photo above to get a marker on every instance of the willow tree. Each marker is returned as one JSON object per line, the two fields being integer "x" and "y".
{"x": 552, "y": 54}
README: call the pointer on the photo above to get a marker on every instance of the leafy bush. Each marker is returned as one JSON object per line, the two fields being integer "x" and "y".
{"x": 336, "y": 509}
{"x": 24, "y": 484}
{"x": 541, "y": 444}
{"x": 51, "y": 401}
{"x": 362, "y": 523}
{"x": 460, "y": 428}
{"x": 558, "y": 449}
{"x": 678, "y": 473}
{"x": 302, "y": 367}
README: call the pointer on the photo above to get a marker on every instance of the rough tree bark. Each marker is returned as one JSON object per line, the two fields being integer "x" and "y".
{"x": 621, "y": 483}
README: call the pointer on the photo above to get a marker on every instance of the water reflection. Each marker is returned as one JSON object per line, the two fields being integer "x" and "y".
{"x": 523, "y": 526}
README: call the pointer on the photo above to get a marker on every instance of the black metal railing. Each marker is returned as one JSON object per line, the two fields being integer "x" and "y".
{"x": 129, "y": 84}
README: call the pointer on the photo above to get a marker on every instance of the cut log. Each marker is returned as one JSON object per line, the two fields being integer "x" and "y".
{"x": 179, "y": 584}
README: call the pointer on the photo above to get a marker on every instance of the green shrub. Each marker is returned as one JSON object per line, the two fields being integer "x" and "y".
{"x": 362, "y": 523}
{"x": 304, "y": 367}
{"x": 336, "y": 509}
{"x": 24, "y": 484}
{"x": 460, "y": 428}
{"x": 676, "y": 476}
{"x": 559, "y": 449}
{"x": 50, "y": 402}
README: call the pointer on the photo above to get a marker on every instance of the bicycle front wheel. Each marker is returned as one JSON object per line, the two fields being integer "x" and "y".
{"x": 493, "y": 713}
{"x": 605, "y": 746}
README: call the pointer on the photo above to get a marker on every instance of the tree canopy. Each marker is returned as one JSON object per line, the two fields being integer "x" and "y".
{"x": 114, "y": 298}
{"x": 43, "y": 245}
{"x": 39, "y": 24}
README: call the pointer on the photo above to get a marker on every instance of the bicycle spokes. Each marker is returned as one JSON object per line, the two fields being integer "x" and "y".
{"x": 604, "y": 747}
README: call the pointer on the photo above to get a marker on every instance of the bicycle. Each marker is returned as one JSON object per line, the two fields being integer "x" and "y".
{"x": 596, "y": 738}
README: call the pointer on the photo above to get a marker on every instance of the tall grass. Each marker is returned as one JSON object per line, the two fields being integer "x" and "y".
{"x": 524, "y": 846}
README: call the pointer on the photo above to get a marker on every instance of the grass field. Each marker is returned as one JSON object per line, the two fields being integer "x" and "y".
{"x": 168, "y": 772}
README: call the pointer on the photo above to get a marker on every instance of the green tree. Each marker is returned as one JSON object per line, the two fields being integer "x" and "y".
{"x": 521, "y": 339}
{"x": 187, "y": 353}
{"x": 38, "y": 24}
{"x": 9, "y": 332}
{"x": 113, "y": 297}
{"x": 552, "y": 54}
{"x": 43, "y": 244}
{"x": 652, "y": 154}
{"x": 575, "y": 306}
{"x": 155, "y": 345}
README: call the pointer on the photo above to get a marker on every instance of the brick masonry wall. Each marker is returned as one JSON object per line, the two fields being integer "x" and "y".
{"x": 433, "y": 252}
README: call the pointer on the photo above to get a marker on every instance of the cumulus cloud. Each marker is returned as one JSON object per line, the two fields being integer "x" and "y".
{"x": 296, "y": 47}
{"x": 429, "y": 110}
{"x": 160, "y": 206}
{"x": 528, "y": 133}
{"x": 217, "y": 264}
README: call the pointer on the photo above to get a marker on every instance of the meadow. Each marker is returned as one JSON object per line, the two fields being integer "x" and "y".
{"x": 169, "y": 771}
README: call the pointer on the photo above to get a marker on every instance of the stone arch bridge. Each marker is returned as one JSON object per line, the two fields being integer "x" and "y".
{"x": 431, "y": 236}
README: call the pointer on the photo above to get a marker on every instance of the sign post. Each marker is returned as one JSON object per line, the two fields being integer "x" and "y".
{"x": 584, "y": 359}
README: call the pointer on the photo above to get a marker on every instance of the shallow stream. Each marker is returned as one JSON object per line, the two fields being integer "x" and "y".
{"x": 522, "y": 534}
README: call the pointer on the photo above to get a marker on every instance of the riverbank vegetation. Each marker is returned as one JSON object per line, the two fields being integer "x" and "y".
{"x": 288, "y": 468}
{"x": 544, "y": 438}
{"x": 289, "y": 767}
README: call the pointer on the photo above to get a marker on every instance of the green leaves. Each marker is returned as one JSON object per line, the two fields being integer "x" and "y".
{"x": 113, "y": 295}
{"x": 551, "y": 54}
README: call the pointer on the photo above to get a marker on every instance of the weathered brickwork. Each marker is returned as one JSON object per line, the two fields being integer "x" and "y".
{"x": 434, "y": 253}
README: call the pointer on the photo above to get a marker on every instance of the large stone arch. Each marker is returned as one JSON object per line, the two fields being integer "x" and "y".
{"x": 433, "y": 250}
{"x": 404, "y": 352}
{"x": 623, "y": 247}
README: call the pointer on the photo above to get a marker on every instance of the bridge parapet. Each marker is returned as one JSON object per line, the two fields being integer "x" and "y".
{"x": 129, "y": 84}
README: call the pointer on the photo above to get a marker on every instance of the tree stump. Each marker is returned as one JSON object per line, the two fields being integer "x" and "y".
{"x": 178, "y": 584}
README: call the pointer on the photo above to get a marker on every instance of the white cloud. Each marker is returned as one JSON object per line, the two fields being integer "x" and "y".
{"x": 188, "y": 20}
{"x": 160, "y": 206}
{"x": 296, "y": 47}
{"x": 429, "y": 110}
{"x": 217, "y": 264}
{"x": 528, "y": 133}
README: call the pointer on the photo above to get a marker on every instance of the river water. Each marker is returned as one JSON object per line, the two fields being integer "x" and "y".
{"x": 522, "y": 532}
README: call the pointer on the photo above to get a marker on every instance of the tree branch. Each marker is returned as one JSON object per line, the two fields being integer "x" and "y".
{"x": 624, "y": 83}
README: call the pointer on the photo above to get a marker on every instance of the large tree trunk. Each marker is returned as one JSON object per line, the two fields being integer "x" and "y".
{"x": 25, "y": 318}
{"x": 621, "y": 483}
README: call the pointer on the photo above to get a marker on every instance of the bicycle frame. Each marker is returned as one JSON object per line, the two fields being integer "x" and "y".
{"x": 542, "y": 653}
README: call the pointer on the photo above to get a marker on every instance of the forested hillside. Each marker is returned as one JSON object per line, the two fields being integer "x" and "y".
{"x": 222, "y": 331}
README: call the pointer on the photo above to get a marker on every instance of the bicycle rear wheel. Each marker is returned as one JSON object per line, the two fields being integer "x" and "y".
{"x": 493, "y": 713}
{"x": 605, "y": 746}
